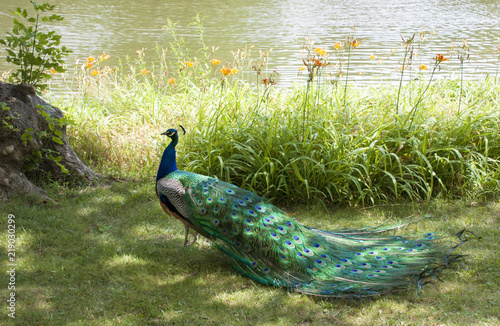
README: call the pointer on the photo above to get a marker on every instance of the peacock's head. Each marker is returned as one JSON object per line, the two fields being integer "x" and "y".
{"x": 171, "y": 133}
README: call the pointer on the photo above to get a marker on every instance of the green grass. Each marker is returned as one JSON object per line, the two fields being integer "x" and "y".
{"x": 302, "y": 143}
{"x": 108, "y": 255}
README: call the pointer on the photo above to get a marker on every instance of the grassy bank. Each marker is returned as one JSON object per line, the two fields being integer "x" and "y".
{"x": 110, "y": 256}
{"x": 317, "y": 143}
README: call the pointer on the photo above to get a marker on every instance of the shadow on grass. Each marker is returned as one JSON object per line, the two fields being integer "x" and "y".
{"x": 109, "y": 255}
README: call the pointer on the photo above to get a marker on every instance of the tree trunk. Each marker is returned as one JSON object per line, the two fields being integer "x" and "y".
{"x": 33, "y": 142}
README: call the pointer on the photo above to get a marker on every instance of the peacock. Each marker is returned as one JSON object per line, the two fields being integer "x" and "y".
{"x": 270, "y": 247}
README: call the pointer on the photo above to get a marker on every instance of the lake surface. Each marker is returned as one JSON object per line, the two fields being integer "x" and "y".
{"x": 120, "y": 28}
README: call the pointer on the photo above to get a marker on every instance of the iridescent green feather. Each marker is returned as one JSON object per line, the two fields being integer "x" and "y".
{"x": 272, "y": 248}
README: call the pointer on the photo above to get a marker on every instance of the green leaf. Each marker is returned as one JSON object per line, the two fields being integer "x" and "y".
{"x": 57, "y": 140}
{"x": 25, "y": 137}
{"x": 63, "y": 168}
{"x": 296, "y": 170}
{"x": 55, "y": 159}
{"x": 33, "y": 60}
{"x": 42, "y": 111}
{"x": 55, "y": 17}
{"x": 17, "y": 23}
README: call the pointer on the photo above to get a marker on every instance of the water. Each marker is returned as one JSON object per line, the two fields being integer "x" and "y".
{"x": 120, "y": 28}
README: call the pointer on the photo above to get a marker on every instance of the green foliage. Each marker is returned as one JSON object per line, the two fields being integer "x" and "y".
{"x": 363, "y": 160}
{"x": 266, "y": 145}
{"x": 36, "y": 53}
{"x": 55, "y": 134}
{"x": 45, "y": 153}
{"x": 6, "y": 120}
{"x": 55, "y": 125}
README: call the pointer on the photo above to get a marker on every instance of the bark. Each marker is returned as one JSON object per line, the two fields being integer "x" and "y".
{"x": 17, "y": 157}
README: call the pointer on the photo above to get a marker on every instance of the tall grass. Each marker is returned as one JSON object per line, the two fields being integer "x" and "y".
{"x": 290, "y": 144}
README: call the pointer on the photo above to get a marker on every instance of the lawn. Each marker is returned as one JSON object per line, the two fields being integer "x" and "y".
{"x": 108, "y": 255}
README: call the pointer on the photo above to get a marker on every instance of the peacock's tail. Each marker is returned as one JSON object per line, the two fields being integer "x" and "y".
{"x": 272, "y": 248}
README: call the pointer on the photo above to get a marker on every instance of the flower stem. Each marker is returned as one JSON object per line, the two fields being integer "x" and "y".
{"x": 346, "y": 109}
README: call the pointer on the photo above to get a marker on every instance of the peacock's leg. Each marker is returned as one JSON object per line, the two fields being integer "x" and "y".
{"x": 186, "y": 242}
{"x": 186, "y": 227}
{"x": 187, "y": 234}
{"x": 195, "y": 236}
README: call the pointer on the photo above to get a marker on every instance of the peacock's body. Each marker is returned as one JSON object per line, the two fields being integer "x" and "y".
{"x": 272, "y": 248}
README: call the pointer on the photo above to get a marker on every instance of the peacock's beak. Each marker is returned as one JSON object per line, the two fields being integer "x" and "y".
{"x": 164, "y": 133}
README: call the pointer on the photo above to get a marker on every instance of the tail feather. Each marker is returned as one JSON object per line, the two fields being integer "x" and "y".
{"x": 272, "y": 248}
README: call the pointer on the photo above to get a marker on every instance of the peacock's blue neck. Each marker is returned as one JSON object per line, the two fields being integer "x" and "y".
{"x": 168, "y": 163}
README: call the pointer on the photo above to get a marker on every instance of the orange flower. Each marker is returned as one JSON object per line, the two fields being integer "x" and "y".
{"x": 440, "y": 58}
{"x": 105, "y": 56}
{"x": 53, "y": 71}
{"x": 94, "y": 72}
{"x": 355, "y": 43}
{"x": 302, "y": 68}
{"x": 171, "y": 81}
{"x": 90, "y": 59}
{"x": 337, "y": 45}
{"x": 423, "y": 67}
{"x": 318, "y": 63}
{"x": 189, "y": 63}
{"x": 144, "y": 71}
{"x": 215, "y": 62}
{"x": 320, "y": 51}
{"x": 89, "y": 65}
{"x": 225, "y": 71}
{"x": 268, "y": 81}
{"x": 234, "y": 71}
{"x": 372, "y": 57}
